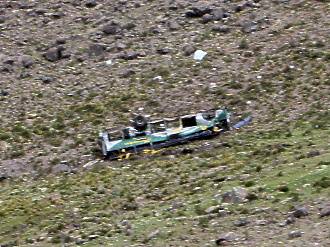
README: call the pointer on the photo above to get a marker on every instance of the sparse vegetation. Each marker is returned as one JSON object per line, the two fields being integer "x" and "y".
{"x": 270, "y": 60}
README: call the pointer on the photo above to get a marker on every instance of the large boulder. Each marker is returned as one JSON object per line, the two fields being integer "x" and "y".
{"x": 295, "y": 234}
{"x": 221, "y": 28}
{"x": 300, "y": 212}
{"x": 3, "y": 92}
{"x": 46, "y": 79}
{"x": 163, "y": 50}
{"x": 111, "y": 28}
{"x": 26, "y": 61}
{"x": 7, "y": 59}
{"x": 325, "y": 211}
{"x": 173, "y": 26}
{"x": 91, "y": 3}
{"x": 218, "y": 14}
{"x": 241, "y": 222}
{"x": 223, "y": 239}
{"x": 213, "y": 209}
{"x": 6, "y": 63}
{"x": 249, "y": 27}
{"x": 207, "y": 18}
{"x": 188, "y": 50}
{"x": 54, "y": 54}
{"x": 236, "y": 195}
{"x": 3, "y": 176}
{"x": 128, "y": 55}
{"x": 198, "y": 11}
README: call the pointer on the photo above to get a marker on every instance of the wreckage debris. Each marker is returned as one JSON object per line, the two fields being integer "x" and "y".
{"x": 147, "y": 136}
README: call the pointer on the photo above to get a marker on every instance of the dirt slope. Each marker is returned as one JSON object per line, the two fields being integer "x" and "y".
{"x": 70, "y": 68}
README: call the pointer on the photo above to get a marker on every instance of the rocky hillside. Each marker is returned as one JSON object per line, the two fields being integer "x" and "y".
{"x": 69, "y": 68}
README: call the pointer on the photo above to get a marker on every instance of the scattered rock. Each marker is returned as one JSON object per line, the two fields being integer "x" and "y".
{"x": 24, "y": 74}
{"x": 91, "y": 3}
{"x": 223, "y": 212}
{"x": 218, "y": 14}
{"x": 3, "y": 177}
{"x": 126, "y": 223}
{"x": 94, "y": 236}
{"x": 25, "y": 5}
{"x": 300, "y": 212}
{"x": 313, "y": 153}
{"x": 213, "y": 209}
{"x": 111, "y": 28}
{"x": 129, "y": 26}
{"x": 54, "y": 54}
{"x": 57, "y": 15}
{"x": 79, "y": 241}
{"x": 127, "y": 73}
{"x": 109, "y": 62}
{"x": 295, "y": 234}
{"x": 4, "y": 93}
{"x": 46, "y": 79}
{"x": 173, "y": 26}
{"x": 249, "y": 27}
{"x": 198, "y": 11}
{"x": 227, "y": 237}
{"x": 173, "y": 6}
{"x": 60, "y": 41}
{"x": 128, "y": 55}
{"x": 153, "y": 234}
{"x": 65, "y": 54}
{"x": 6, "y": 68}
{"x": 262, "y": 222}
{"x": 61, "y": 168}
{"x": 237, "y": 195}
{"x": 155, "y": 30}
{"x": 163, "y": 51}
{"x": 206, "y": 18}
{"x": 26, "y": 61}
{"x": 325, "y": 211}
{"x": 290, "y": 220}
{"x": 96, "y": 49}
{"x": 188, "y": 50}
{"x": 221, "y": 29}
{"x": 7, "y": 59}
{"x": 248, "y": 54}
{"x": 120, "y": 46}
{"x": 40, "y": 11}
{"x": 241, "y": 222}
{"x": 242, "y": 6}
{"x": 176, "y": 205}
{"x": 126, "y": 227}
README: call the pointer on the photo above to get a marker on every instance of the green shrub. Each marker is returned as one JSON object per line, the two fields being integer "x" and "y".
{"x": 203, "y": 222}
{"x": 283, "y": 188}
{"x": 243, "y": 44}
{"x": 4, "y": 136}
{"x": 258, "y": 168}
{"x": 249, "y": 183}
{"x": 21, "y": 131}
{"x": 324, "y": 182}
